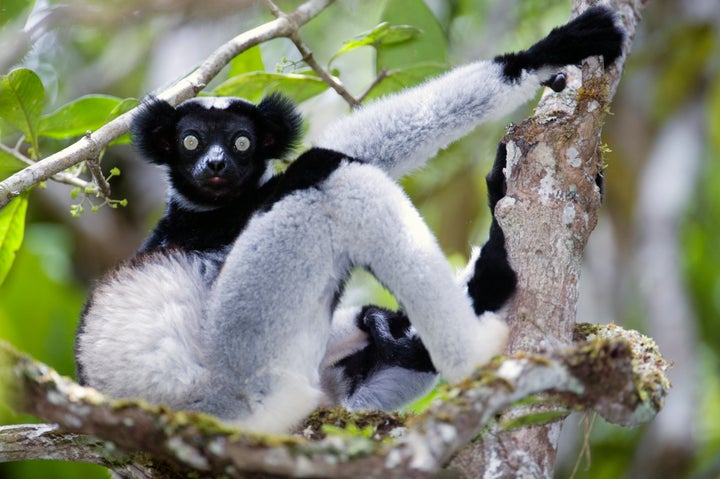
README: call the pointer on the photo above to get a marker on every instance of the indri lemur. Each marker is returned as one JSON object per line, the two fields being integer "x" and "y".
{"x": 230, "y": 306}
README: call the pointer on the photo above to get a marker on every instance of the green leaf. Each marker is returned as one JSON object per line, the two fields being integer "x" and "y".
{"x": 21, "y": 101}
{"x": 12, "y": 228}
{"x": 125, "y": 106}
{"x": 9, "y": 164}
{"x": 428, "y": 48}
{"x": 253, "y": 86}
{"x": 248, "y": 61}
{"x": 13, "y": 10}
{"x": 383, "y": 34}
{"x": 87, "y": 113}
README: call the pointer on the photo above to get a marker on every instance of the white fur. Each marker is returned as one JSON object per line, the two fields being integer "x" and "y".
{"x": 399, "y": 133}
{"x": 293, "y": 400}
{"x": 143, "y": 323}
{"x": 253, "y": 356}
{"x": 391, "y": 389}
{"x": 345, "y": 337}
{"x": 216, "y": 102}
{"x": 186, "y": 203}
{"x": 463, "y": 275}
{"x": 252, "y": 353}
{"x": 285, "y": 305}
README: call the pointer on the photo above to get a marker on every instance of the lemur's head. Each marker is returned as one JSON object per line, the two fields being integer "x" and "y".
{"x": 215, "y": 148}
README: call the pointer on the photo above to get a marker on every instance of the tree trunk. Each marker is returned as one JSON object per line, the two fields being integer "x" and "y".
{"x": 550, "y": 209}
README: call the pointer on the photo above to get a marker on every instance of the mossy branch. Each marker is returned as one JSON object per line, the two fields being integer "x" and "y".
{"x": 140, "y": 440}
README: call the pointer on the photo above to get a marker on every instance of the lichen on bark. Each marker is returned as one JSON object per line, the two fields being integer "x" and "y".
{"x": 140, "y": 440}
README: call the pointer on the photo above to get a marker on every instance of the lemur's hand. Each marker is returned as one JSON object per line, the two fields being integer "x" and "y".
{"x": 393, "y": 339}
{"x": 556, "y": 82}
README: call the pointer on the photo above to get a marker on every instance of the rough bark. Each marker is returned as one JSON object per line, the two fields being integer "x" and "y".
{"x": 135, "y": 439}
{"x": 551, "y": 207}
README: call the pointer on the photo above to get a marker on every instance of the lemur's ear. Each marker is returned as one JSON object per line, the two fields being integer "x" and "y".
{"x": 153, "y": 130}
{"x": 281, "y": 125}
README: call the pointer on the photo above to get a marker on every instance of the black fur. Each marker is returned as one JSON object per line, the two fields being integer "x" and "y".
{"x": 391, "y": 342}
{"x": 154, "y": 127}
{"x": 308, "y": 171}
{"x": 594, "y": 32}
{"x": 280, "y": 122}
{"x": 494, "y": 280}
{"x": 215, "y": 229}
{"x": 557, "y": 82}
{"x": 209, "y": 177}
{"x": 219, "y": 215}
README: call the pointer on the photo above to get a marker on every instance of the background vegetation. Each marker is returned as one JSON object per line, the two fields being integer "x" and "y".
{"x": 652, "y": 264}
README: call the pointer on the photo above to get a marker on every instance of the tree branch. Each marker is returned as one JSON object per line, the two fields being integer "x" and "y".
{"x": 62, "y": 177}
{"x": 187, "y": 87}
{"x": 632, "y": 391}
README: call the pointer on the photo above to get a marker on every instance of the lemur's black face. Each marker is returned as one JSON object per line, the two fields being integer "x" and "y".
{"x": 216, "y": 150}
{"x": 216, "y": 155}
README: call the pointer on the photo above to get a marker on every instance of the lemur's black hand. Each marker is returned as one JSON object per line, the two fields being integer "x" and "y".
{"x": 394, "y": 342}
{"x": 556, "y": 82}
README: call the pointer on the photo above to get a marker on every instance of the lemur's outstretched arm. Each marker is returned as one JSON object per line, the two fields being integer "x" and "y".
{"x": 401, "y": 132}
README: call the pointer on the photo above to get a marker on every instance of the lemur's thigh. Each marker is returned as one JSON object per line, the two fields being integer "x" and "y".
{"x": 277, "y": 286}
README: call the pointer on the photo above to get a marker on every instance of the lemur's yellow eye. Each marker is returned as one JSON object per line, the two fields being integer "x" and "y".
{"x": 242, "y": 143}
{"x": 190, "y": 142}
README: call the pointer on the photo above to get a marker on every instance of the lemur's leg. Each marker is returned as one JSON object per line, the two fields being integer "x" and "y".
{"x": 399, "y": 133}
{"x": 387, "y": 365}
{"x": 493, "y": 280}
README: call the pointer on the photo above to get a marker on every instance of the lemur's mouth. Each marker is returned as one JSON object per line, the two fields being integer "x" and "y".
{"x": 216, "y": 181}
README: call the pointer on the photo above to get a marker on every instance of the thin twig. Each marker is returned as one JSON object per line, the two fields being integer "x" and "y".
{"x": 103, "y": 185}
{"x": 16, "y": 154}
{"x": 307, "y": 56}
{"x": 93, "y": 164}
{"x": 331, "y": 80}
{"x": 379, "y": 78}
{"x": 274, "y": 9}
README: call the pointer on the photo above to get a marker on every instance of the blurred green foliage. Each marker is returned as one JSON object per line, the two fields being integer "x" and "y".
{"x": 39, "y": 306}
{"x": 87, "y": 72}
